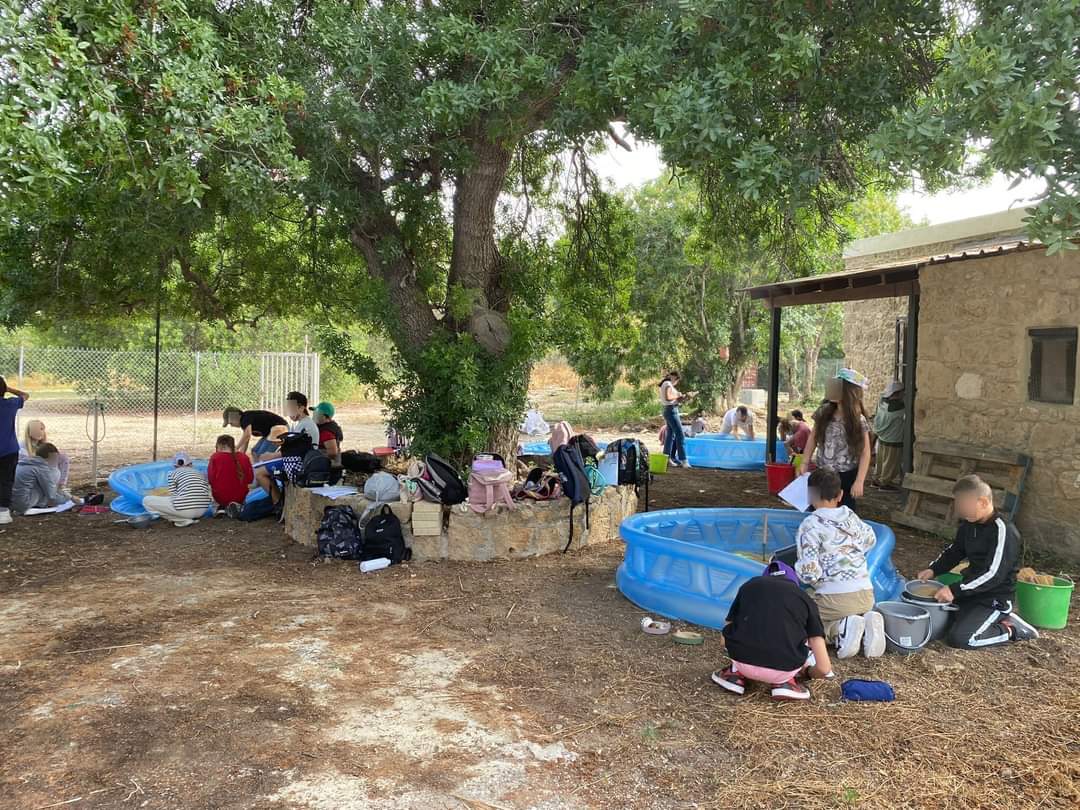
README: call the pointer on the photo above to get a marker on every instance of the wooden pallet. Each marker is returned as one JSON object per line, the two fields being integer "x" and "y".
{"x": 929, "y": 505}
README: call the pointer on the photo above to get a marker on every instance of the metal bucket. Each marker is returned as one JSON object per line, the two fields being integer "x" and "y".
{"x": 940, "y": 613}
{"x": 907, "y": 627}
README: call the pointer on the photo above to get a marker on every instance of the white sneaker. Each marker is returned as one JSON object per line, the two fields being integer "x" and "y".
{"x": 849, "y": 639}
{"x": 180, "y": 524}
{"x": 5, "y": 516}
{"x": 873, "y": 640}
{"x": 686, "y": 465}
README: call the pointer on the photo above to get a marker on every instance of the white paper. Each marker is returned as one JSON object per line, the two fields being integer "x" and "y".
{"x": 267, "y": 463}
{"x": 50, "y": 510}
{"x": 797, "y": 493}
{"x": 333, "y": 493}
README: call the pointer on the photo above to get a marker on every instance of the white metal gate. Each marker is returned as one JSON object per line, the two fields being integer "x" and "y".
{"x": 282, "y": 372}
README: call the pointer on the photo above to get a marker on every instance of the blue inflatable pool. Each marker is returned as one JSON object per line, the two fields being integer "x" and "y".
{"x": 720, "y": 451}
{"x": 544, "y": 449}
{"x": 132, "y": 483}
{"x": 682, "y": 563}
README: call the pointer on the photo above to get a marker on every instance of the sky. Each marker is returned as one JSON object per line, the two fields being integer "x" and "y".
{"x": 626, "y": 169}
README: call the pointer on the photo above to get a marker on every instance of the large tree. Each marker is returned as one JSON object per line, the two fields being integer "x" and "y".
{"x": 133, "y": 133}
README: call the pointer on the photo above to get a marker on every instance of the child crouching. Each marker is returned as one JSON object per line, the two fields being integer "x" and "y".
{"x": 832, "y": 544}
{"x": 773, "y": 634}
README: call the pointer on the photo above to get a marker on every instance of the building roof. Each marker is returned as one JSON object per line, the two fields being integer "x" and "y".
{"x": 1002, "y": 226}
{"x": 888, "y": 279}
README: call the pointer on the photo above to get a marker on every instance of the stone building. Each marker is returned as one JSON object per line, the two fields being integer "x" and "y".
{"x": 994, "y": 349}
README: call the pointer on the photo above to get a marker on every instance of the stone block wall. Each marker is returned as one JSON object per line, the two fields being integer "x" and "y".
{"x": 973, "y": 367}
{"x": 870, "y": 341}
{"x": 532, "y": 529}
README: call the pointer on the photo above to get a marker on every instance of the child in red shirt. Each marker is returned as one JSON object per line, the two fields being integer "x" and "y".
{"x": 230, "y": 473}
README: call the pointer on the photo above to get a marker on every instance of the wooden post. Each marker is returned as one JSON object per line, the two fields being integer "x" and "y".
{"x": 911, "y": 350}
{"x": 772, "y": 420}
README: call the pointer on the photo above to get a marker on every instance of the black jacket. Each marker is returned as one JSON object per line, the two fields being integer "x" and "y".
{"x": 992, "y": 550}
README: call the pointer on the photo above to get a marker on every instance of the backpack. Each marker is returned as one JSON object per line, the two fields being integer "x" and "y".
{"x": 360, "y": 462}
{"x": 256, "y": 510}
{"x": 541, "y": 484}
{"x": 586, "y": 446}
{"x": 575, "y": 483}
{"x": 560, "y": 435}
{"x": 315, "y": 470}
{"x": 439, "y": 482}
{"x": 597, "y": 483}
{"x": 295, "y": 444}
{"x": 489, "y": 483}
{"x": 338, "y": 535}
{"x": 633, "y": 464}
{"x": 382, "y": 537}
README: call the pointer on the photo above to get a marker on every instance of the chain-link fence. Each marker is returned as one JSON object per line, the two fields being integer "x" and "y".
{"x": 98, "y": 406}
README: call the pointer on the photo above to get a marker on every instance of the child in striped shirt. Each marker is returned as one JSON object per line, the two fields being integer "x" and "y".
{"x": 189, "y": 494}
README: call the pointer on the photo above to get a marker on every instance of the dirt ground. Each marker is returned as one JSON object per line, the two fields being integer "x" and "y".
{"x": 217, "y": 667}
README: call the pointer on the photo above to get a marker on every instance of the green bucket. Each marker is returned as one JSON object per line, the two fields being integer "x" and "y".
{"x": 658, "y": 463}
{"x": 1045, "y": 605}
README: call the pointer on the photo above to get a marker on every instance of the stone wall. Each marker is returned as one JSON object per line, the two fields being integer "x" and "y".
{"x": 870, "y": 341}
{"x": 973, "y": 366}
{"x": 532, "y": 529}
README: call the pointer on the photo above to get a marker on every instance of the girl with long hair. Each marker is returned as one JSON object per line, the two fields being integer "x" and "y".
{"x": 840, "y": 440}
{"x": 675, "y": 441}
{"x": 34, "y": 436}
{"x": 229, "y": 472}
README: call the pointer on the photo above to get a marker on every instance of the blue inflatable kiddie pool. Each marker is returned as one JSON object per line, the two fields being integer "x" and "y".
{"x": 132, "y": 483}
{"x": 720, "y": 451}
{"x": 682, "y": 563}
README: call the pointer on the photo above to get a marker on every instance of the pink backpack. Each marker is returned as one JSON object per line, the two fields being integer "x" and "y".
{"x": 489, "y": 484}
{"x": 560, "y": 435}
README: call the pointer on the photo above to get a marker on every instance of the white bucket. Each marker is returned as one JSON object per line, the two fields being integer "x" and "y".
{"x": 908, "y": 627}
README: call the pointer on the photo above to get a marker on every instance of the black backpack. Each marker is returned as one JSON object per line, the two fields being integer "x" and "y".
{"x": 295, "y": 444}
{"x": 383, "y": 538}
{"x": 339, "y": 535}
{"x": 633, "y": 464}
{"x": 585, "y": 445}
{"x": 441, "y": 483}
{"x": 316, "y": 470}
{"x": 575, "y": 482}
{"x": 357, "y": 461}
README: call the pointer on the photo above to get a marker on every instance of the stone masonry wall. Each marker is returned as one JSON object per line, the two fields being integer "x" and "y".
{"x": 870, "y": 341}
{"x": 973, "y": 367}
{"x": 532, "y": 529}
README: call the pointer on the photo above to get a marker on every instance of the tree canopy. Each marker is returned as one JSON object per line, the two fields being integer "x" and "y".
{"x": 358, "y": 160}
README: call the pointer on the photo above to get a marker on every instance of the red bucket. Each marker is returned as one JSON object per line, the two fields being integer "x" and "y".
{"x": 778, "y": 476}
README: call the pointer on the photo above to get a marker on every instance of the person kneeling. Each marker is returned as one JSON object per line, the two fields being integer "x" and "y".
{"x": 189, "y": 494}
{"x": 984, "y": 597}
{"x": 774, "y": 634}
{"x": 832, "y": 544}
{"x": 36, "y": 480}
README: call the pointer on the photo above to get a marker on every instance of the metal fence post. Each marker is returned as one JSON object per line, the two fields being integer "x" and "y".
{"x": 22, "y": 363}
{"x": 195, "y": 418}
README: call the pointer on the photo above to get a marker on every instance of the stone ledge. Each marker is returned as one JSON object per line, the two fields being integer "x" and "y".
{"x": 532, "y": 529}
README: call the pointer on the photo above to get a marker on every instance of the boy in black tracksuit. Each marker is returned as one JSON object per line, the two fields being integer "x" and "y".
{"x": 984, "y": 598}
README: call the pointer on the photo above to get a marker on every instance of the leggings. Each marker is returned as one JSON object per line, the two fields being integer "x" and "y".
{"x": 7, "y": 478}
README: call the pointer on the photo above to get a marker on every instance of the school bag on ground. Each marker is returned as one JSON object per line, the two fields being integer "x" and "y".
{"x": 382, "y": 537}
{"x": 633, "y": 464}
{"x": 439, "y": 482}
{"x": 575, "y": 483}
{"x": 339, "y": 535}
{"x": 489, "y": 483}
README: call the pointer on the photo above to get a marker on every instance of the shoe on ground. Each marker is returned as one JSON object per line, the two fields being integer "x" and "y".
{"x": 790, "y": 690}
{"x": 1019, "y": 630}
{"x": 686, "y": 465}
{"x": 873, "y": 640}
{"x": 849, "y": 639}
{"x": 730, "y": 680}
{"x": 180, "y": 524}
{"x": 674, "y": 463}
{"x": 5, "y": 516}
{"x": 233, "y": 510}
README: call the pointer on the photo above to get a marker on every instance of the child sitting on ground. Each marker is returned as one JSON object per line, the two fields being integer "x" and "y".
{"x": 230, "y": 474}
{"x": 36, "y": 481}
{"x": 773, "y": 633}
{"x": 832, "y": 543}
{"x": 189, "y": 494}
{"x": 984, "y": 598}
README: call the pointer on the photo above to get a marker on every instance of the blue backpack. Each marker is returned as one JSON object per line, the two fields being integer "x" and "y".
{"x": 575, "y": 482}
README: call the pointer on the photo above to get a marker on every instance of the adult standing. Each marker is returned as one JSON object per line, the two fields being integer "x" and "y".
{"x": 840, "y": 440}
{"x": 738, "y": 418}
{"x": 257, "y": 425}
{"x": 889, "y": 423}
{"x": 675, "y": 441}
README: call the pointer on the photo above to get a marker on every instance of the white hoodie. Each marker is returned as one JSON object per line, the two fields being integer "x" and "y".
{"x": 832, "y": 545}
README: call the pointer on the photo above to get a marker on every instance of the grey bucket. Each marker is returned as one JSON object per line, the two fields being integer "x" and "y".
{"x": 907, "y": 627}
{"x": 940, "y": 613}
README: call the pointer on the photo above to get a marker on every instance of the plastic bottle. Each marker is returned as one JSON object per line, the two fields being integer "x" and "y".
{"x": 374, "y": 565}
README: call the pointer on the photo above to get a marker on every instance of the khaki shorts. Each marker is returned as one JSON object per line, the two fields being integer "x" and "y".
{"x": 836, "y": 606}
